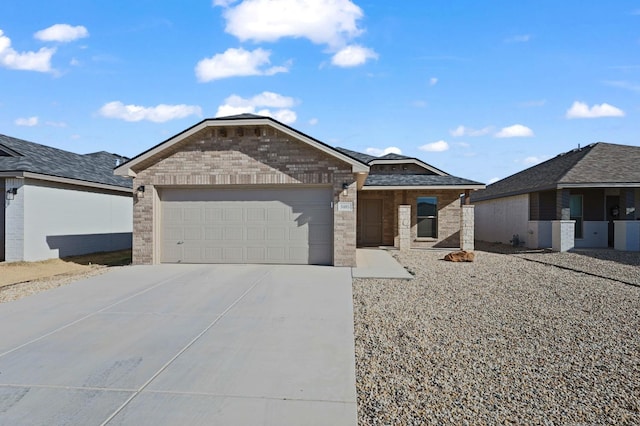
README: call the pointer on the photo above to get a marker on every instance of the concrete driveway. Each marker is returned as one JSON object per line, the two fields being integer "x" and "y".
{"x": 183, "y": 344}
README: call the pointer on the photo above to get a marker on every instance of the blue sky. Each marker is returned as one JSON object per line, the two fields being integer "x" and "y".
{"x": 479, "y": 89}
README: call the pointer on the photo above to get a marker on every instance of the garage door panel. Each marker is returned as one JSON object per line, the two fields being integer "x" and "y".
{"x": 193, "y": 234}
{"x": 320, "y": 234}
{"x": 233, "y": 233}
{"x": 277, "y": 234}
{"x": 213, "y": 233}
{"x": 233, "y": 255}
{"x": 256, "y": 214}
{"x": 213, "y": 214}
{"x": 288, "y": 225}
{"x": 277, "y": 214}
{"x": 255, "y": 233}
{"x": 232, "y": 214}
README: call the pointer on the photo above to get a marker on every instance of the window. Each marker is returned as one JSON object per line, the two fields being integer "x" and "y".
{"x": 575, "y": 207}
{"x": 427, "y": 217}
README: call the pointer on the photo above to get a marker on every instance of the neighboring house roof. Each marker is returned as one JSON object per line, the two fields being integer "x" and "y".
{"x": 28, "y": 159}
{"x": 378, "y": 180}
{"x": 128, "y": 168}
{"x": 597, "y": 165}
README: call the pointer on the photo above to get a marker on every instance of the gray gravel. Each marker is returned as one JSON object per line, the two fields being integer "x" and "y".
{"x": 501, "y": 340}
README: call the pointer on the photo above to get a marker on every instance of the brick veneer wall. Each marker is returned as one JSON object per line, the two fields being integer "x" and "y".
{"x": 448, "y": 215}
{"x": 251, "y": 155}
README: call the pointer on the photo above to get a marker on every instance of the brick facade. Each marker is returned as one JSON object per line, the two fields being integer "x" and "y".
{"x": 449, "y": 211}
{"x": 241, "y": 156}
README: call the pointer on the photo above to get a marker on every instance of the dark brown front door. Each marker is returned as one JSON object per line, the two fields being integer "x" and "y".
{"x": 613, "y": 213}
{"x": 370, "y": 222}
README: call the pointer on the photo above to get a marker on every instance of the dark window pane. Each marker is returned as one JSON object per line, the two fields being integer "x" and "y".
{"x": 427, "y": 227}
{"x": 427, "y": 206}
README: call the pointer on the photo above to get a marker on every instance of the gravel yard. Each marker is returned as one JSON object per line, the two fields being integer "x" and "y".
{"x": 506, "y": 339}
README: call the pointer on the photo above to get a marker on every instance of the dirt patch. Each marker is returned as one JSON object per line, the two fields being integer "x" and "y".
{"x": 21, "y": 272}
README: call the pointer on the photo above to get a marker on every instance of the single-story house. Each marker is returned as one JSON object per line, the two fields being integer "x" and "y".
{"x": 585, "y": 198}
{"x": 57, "y": 203}
{"x": 249, "y": 189}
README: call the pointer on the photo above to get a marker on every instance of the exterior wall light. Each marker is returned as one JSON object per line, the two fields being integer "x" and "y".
{"x": 140, "y": 191}
{"x": 11, "y": 193}
{"x": 345, "y": 188}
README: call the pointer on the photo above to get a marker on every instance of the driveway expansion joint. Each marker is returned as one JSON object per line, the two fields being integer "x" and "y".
{"x": 185, "y": 348}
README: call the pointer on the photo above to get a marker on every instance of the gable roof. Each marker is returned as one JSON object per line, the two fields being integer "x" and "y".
{"x": 29, "y": 159}
{"x": 127, "y": 168}
{"x": 599, "y": 164}
{"x": 388, "y": 181}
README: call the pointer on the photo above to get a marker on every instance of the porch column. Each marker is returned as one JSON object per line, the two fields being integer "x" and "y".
{"x": 404, "y": 227}
{"x": 467, "y": 228}
{"x": 563, "y": 235}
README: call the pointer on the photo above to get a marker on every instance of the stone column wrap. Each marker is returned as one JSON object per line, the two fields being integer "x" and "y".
{"x": 404, "y": 227}
{"x": 467, "y": 228}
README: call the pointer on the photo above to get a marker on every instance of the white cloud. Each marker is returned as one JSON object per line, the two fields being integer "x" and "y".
{"x": 27, "y": 61}
{"x": 419, "y": 104}
{"x": 260, "y": 104}
{"x": 331, "y": 22}
{"x": 62, "y": 33}
{"x": 467, "y": 131}
{"x": 352, "y": 56}
{"x": 377, "y": 152}
{"x": 27, "y": 122}
{"x": 493, "y": 180}
{"x": 521, "y": 38}
{"x": 438, "y": 146}
{"x": 236, "y": 62}
{"x": 582, "y": 110}
{"x": 533, "y": 160}
{"x": 515, "y": 131}
{"x": 157, "y": 114}
{"x": 313, "y": 121}
{"x": 433, "y": 81}
{"x": 634, "y": 87}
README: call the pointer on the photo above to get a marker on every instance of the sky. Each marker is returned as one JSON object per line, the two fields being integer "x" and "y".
{"x": 480, "y": 90}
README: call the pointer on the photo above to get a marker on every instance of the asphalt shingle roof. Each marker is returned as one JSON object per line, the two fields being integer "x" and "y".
{"x": 397, "y": 179}
{"x": 416, "y": 180}
{"x": 594, "y": 164}
{"x": 96, "y": 167}
{"x": 365, "y": 158}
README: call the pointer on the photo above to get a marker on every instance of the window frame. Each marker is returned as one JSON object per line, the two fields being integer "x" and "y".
{"x": 434, "y": 227}
{"x": 579, "y": 225}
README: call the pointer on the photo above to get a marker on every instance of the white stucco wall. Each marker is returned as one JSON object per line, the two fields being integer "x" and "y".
{"x": 540, "y": 234}
{"x": 594, "y": 235}
{"x": 499, "y": 220}
{"x": 64, "y": 220}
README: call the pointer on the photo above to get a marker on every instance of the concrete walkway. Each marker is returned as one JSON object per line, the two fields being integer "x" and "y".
{"x": 183, "y": 344}
{"x": 378, "y": 263}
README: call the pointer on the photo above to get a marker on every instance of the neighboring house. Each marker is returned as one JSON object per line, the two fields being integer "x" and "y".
{"x": 588, "y": 197}
{"x": 249, "y": 189}
{"x": 57, "y": 203}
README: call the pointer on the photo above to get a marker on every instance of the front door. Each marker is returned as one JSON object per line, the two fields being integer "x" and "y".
{"x": 613, "y": 213}
{"x": 370, "y": 222}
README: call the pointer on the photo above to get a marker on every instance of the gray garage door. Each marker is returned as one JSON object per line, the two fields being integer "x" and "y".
{"x": 284, "y": 225}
